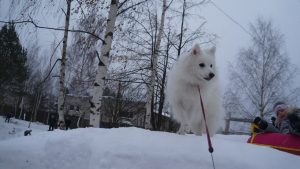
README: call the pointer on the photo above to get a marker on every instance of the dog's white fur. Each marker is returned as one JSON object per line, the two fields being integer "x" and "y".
{"x": 193, "y": 70}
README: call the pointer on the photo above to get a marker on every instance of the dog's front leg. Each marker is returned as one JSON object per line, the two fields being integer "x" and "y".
{"x": 183, "y": 128}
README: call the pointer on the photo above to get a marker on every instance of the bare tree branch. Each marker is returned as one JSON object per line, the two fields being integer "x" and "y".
{"x": 51, "y": 28}
{"x": 129, "y": 7}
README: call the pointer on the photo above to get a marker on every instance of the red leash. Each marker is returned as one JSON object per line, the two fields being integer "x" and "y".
{"x": 210, "y": 148}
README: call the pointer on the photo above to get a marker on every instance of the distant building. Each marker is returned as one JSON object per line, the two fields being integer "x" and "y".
{"x": 114, "y": 113}
{"x": 130, "y": 112}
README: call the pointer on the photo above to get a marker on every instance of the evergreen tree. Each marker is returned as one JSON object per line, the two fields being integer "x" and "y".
{"x": 13, "y": 69}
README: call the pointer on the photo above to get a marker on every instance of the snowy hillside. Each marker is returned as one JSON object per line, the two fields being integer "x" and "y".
{"x": 132, "y": 148}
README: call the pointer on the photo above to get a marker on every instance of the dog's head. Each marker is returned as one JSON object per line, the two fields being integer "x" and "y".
{"x": 201, "y": 63}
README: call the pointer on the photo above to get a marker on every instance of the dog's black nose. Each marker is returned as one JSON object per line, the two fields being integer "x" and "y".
{"x": 211, "y": 75}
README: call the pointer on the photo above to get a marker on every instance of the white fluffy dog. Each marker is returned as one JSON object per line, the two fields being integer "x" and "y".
{"x": 196, "y": 69}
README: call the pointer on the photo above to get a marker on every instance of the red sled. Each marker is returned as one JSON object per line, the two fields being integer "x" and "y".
{"x": 284, "y": 142}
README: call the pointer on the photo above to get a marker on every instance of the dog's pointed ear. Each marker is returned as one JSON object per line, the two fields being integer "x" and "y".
{"x": 196, "y": 49}
{"x": 212, "y": 50}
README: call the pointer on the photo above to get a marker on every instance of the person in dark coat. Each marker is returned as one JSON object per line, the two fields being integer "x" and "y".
{"x": 67, "y": 122}
{"x": 7, "y": 117}
{"x": 51, "y": 122}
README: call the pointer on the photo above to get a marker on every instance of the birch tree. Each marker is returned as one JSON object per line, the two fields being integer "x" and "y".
{"x": 116, "y": 9}
{"x": 150, "y": 94}
{"x": 102, "y": 69}
{"x": 262, "y": 74}
{"x": 32, "y": 8}
{"x": 61, "y": 94}
{"x": 82, "y": 57}
{"x": 162, "y": 81}
{"x": 140, "y": 42}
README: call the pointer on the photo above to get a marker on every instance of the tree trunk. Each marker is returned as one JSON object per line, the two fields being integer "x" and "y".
{"x": 16, "y": 108}
{"x": 34, "y": 105}
{"x": 47, "y": 120}
{"x": 21, "y": 107}
{"x": 162, "y": 90}
{"x": 37, "y": 103}
{"x": 61, "y": 96}
{"x": 102, "y": 68}
{"x": 81, "y": 115}
{"x": 117, "y": 106}
{"x": 149, "y": 103}
{"x": 181, "y": 30}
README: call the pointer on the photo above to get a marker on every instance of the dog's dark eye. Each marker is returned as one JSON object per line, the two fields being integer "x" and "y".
{"x": 211, "y": 65}
{"x": 202, "y": 65}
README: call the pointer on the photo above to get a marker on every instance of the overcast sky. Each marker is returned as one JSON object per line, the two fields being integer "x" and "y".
{"x": 285, "y": 15}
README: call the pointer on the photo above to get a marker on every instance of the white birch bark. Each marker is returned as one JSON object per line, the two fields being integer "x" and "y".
{"x": 81, "y": 115}
{"x": 37, "y": 104}
{"x": 148, "y": 124}
{"x": 61, "y": 99}
{"x": 102, "y": 68}
{"x": 21, "y": 107}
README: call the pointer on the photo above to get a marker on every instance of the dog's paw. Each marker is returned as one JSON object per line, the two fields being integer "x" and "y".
{"x": 198, "y": 133}
{"x": 181, "y": 131}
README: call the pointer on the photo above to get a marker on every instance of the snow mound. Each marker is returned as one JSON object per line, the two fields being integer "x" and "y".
{"x": 134, "y": 148}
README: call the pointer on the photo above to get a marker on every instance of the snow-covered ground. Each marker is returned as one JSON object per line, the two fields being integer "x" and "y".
{"x": 6, "y": 129}
{"x": 130, "y": 148}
